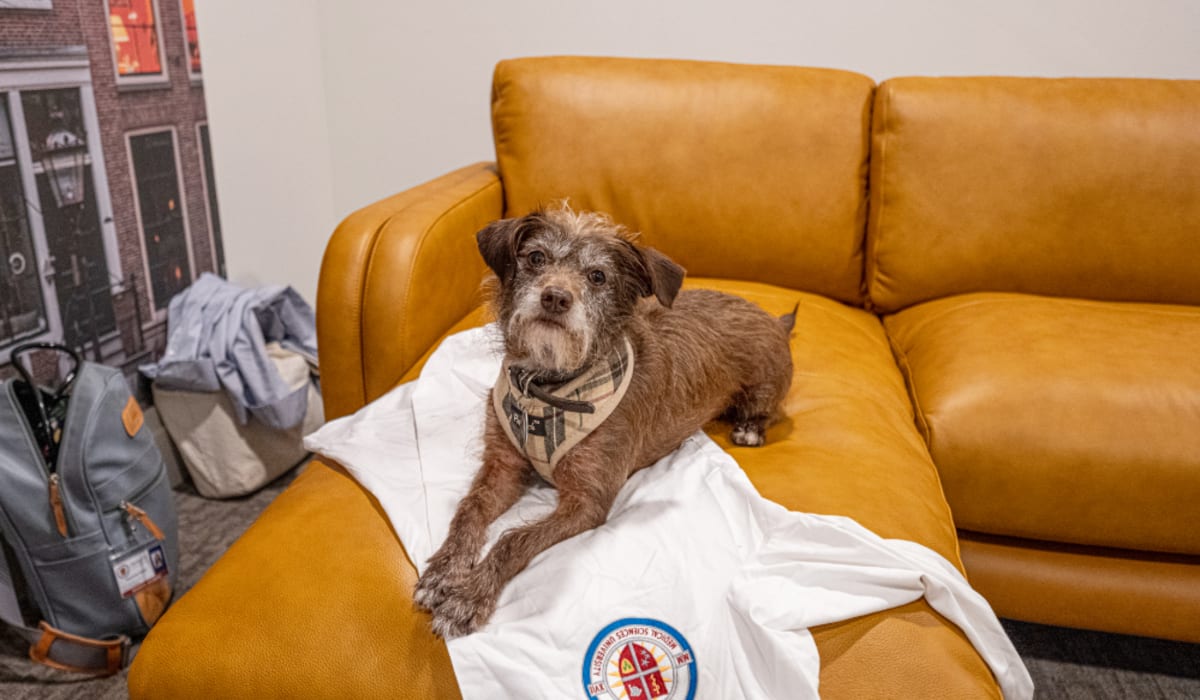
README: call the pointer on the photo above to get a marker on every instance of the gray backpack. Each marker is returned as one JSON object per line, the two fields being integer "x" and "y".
{"x": 87, "y": 518}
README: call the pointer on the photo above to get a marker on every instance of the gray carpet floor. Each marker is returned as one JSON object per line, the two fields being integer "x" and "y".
{"x": 1068, "y": 664}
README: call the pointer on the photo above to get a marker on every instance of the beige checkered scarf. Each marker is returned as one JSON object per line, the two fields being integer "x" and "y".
{"x": 544, "y": 422}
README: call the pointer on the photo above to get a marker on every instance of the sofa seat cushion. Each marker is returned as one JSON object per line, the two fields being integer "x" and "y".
{"x": 315, "y": 599}
{"x": 847, "y": 445}
{"x": 1057, "y": 419}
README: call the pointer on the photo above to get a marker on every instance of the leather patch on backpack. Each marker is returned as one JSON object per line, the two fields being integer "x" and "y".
{"x": 152, "y": 600}
{"x": 132, "y": 417}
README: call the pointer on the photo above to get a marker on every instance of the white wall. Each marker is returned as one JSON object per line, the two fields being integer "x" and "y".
{"x": 404, "y": 86}
{"x": 264, "y": 88}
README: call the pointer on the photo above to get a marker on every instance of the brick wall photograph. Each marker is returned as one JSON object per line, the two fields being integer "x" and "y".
{"x": 107, "y": 207}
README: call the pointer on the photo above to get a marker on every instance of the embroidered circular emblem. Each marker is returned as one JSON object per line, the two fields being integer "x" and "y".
{"x": 639, "y": 659}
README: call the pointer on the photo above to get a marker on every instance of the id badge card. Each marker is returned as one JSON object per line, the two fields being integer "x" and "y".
{"x": 139, "y": 567}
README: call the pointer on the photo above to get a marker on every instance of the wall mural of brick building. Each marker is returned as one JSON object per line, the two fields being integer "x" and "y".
{"x": 107, "y": 204}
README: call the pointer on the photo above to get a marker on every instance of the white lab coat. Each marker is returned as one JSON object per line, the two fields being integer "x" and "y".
{"x": 689, "y": 544}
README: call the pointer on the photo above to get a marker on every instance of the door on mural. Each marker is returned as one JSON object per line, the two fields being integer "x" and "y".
{"x": 76, "y": 263}
{"x": 164, "y": 233}
{"x": 26, "y": 308}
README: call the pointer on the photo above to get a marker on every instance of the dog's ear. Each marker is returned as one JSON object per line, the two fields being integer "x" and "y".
{"x": 657, "y": 274}
{"x": 498, "y": 244}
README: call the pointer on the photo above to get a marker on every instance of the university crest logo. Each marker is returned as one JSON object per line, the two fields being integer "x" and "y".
{"x": 639, "y": 659}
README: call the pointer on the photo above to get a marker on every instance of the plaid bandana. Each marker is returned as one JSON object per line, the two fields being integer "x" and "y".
{"x": 544, "y": 422}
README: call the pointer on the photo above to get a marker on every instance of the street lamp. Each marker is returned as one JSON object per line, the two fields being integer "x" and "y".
{"x": 63, "y": 161}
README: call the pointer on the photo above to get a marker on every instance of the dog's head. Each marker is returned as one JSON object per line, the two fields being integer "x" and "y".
{"x": 568, "y": 284}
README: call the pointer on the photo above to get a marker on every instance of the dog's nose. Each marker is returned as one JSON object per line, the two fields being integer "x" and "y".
{"x": 556, "y": 300}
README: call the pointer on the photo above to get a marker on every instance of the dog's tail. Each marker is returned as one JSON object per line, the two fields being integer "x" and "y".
{"x": 789, "y": 319}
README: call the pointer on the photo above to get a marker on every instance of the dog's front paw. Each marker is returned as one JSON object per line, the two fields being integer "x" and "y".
{"x": 430, "y": 591}
{"x": 444, "y": 573}
{"x": 747, "y": 435}
{"x": 465, "y": 609}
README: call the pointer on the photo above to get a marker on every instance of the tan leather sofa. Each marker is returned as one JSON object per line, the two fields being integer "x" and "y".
{"x": 997, "y": 282}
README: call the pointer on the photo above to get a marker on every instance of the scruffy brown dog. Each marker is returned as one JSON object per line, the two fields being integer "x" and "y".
{"x": 599, "y": 381}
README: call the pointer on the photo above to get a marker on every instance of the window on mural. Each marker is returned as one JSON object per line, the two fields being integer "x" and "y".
{"x": 135, "y": 37}
{"x": 164, "y": 235}
{"x": 193, "y": 41}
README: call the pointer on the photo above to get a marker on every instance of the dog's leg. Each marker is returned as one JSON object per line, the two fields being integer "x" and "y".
{"x": 752, "y": 410}
{"x": 585, "y": 495}
{"x": 504, "y": 476}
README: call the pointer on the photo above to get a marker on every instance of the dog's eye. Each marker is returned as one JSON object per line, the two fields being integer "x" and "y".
{"x": 597, "y": 277}
{"x": 537, "y": 258}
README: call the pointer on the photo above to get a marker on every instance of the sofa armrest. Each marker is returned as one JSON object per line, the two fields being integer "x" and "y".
{"x": 372, "y": 322}
{"x": 313, "y": 601}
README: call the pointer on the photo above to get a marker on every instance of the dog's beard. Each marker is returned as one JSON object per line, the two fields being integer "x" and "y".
{"x": 555, "y": 346}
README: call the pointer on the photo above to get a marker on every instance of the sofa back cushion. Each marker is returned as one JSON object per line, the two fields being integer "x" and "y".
{"x": 735, "y": 171}
{"x": 1079, "y": 187}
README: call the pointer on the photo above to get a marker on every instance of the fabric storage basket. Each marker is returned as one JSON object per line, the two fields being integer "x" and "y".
{"x": 225, "y": 458}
